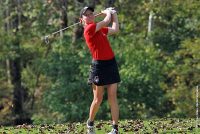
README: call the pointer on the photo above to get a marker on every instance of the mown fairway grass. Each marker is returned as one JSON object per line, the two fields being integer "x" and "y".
{"x": 154, "y": 126}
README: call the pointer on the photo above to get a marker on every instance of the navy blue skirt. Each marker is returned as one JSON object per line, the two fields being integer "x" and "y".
{"x": 104, "y": 72}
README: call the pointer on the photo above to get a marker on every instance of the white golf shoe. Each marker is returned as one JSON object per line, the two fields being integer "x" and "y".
{"x": 114, "y": 131}
{"x": 90, "y": 130}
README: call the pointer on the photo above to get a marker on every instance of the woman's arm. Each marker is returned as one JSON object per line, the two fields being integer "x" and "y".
{"x": 105, "y": 21}
{"x": 115, "y": 25}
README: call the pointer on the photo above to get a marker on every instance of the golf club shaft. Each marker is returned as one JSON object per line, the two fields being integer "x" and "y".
{"x": 46, "y": 38}
{"x": 72, "y": 25}
{"x": 65, "y": 28}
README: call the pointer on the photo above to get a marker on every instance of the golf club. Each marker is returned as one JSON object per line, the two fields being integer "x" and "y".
{"x": 46, "y": 38}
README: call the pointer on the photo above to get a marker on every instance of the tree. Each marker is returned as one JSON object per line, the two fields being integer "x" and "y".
{"x": 184, "y": 77}
{"x": 19, "y": 94}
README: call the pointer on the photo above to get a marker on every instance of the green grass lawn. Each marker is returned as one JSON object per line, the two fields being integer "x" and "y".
{"x": 161, "y": 126}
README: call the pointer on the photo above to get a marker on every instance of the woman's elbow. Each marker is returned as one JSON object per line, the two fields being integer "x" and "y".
{"x": 116, "y": 30}
{"x": 113, "y": 30}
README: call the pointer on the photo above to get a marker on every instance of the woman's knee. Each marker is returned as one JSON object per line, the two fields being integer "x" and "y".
{"x": 98, "y": 100}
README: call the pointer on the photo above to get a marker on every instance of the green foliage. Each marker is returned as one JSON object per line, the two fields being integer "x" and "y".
{"x": 184, "y": 78}
{"x": 141, "y": 72}
{"x": 68, "y": 93}
{"x": 173, "y": 22}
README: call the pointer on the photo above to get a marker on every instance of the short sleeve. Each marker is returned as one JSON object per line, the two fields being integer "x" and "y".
{"x": 90, "y": 30}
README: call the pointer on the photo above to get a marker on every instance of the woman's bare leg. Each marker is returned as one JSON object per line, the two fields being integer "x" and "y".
{"x": 112, "y": 99}
{"x": 98, "y": 92}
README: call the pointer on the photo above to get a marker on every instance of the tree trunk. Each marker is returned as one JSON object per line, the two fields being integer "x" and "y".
{"x": 150, "y": 21}
{"x": 78, "y": 30}
{"x": 64, "y": 17}
{"x": 16, "y": 81}
{"x": 8, "y": 71}
{"x": 19, "y": 92}
{"x": 7, "y": 28}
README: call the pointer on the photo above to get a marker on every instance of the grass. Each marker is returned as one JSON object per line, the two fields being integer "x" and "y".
{"x": 154, "y": 126}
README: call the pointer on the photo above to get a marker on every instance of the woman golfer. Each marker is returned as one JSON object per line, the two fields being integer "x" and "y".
{"x": 104, "y": 71}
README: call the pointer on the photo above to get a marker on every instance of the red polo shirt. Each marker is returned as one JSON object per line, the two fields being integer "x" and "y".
{"x": 98, "y": 43}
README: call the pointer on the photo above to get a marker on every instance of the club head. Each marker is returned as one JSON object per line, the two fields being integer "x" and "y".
{"x": 46, "y": 39}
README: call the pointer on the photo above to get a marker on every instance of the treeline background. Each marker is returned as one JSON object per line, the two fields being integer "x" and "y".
{"x": 157, "y": 50}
